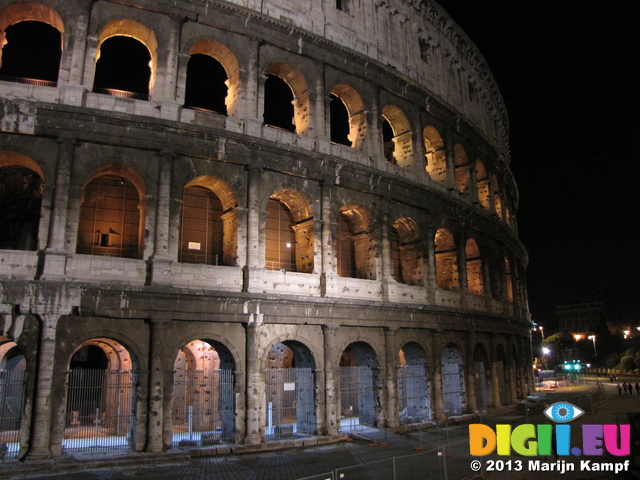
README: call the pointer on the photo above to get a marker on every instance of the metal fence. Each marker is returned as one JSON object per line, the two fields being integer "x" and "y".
{"x": 357, "y": 405}
{"x": 100, "y": 410}
{"x": 290, "y": 402}
{"x": 203, "y": 407}
{"x": 453, "y": 388}
{"x": 12, "y": 385}
{"x": 413, "y": 394}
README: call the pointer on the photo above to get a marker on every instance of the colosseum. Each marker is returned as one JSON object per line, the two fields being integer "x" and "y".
{"x": 250, "y": 223}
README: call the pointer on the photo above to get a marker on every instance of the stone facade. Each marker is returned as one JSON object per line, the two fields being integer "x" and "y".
{"x": 301, "y": 263}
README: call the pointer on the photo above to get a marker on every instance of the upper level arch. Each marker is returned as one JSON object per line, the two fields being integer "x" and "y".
{"x": 435, "y": 155}
{"x": 407, "y": 257}
{"x": 446, "y": 260}
{"x": 482, "y": 180}
{"x": 205, "y": 86}
{"x": 399, "y": 148}
{"x": 475, "y": 276}
{"x": 275, "y": 99}
{"x": 356, "y": 116}
{"x": 355, "y": 245}
{"x": 208, "y": 222}
{"x": 112, "y": 213}
{"x": 462, "y": 168}
{"x": 137, "y": 76}
{"x": 31, "y": 42}
{"x": 289, "y": 232}
{"x": 21, "y": 190}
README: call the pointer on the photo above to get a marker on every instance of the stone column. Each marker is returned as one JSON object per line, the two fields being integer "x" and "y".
{"x": 469, "y": 342}
{"x": 430, "y": 262}
{"x": 331, "y": 377}
{"x": 451, "y": 169}
{"x": 156, "y": 392}
{"x": 253, "y": 215}
{"x": 328, "y": 253}
{"x": 255, "y": 386}
{"x": 163, "y": 208}
{"x": 495, "y": 383}
{"x": 43, "y": 404}
{"x": 513, "y": 393}
{"x": 391, "y": 361}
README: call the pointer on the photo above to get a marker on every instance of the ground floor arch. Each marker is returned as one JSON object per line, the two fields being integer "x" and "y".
{"x": 203, "y": 400}
{"x": 502, "y": 375}
{"x": 453, "y": 384}
{"x": 414, "y": 405}
{"x": 13, "y": 367}
{"x": 359, "y": 378}
{"x": 290, "y": 391}
{"x": 101, "y": 390}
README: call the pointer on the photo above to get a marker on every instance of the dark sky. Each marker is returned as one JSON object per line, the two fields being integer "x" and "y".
{"x": 568, "y": 72}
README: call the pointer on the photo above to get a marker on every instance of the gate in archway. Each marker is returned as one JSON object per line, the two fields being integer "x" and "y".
{"x": 12, "y": 385}
{"x": 356, "y": 397}
{"x": 203, "y": 407}
{"x": 413, "y": 394}
{"x": 290, "y": 402}
{"x": 100, "y": 410}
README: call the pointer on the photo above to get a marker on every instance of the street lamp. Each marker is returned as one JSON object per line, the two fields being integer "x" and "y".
{"x": 595, "y": 354}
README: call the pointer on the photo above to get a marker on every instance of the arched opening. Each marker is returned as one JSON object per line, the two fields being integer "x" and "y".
{"x": 396, "y": 136}
{"x": 290, "y": 384}
{"x": 348, "y": 117}
{"x": 339, "y": 121}
{"x": 111, "y": 214}
{"x": 446, "y": 260}
{"x": 206, "y": 84}
{"x": 122, "y": 69}
{"x": 31, "y": 54}
{"x": 359, "y": 378}
{"x": 482, "y": 376}
{"x": 101, "y": 398}
{"x": 414, "y": 405}
{"x": 209, "y": 223}
{"x": 126, "y": 60}
{"x": 289, "y": 233}
{"x": 497, "y": 196}
{"x": 475, "y": 279}
{"x": 278, "y": 104}
{"x": 13, "y": 367}
{"x": 435, "y": 155}
{"x": 21, "y": 199}
{"x": 453, "y": 384}
{"x": 286, "y": 98}
{"x": 483, "y": 184}
{"x": 407, "y": 258}
{"x": 515, "y": 365}
{"x": 462, "y": 168}
{"x": 355, "y": 246}
{"x": 501, "y": 373}
{"x": 31, "y": 43}
{"x": 509, "y": 279}
{"x": 203, "y": 408}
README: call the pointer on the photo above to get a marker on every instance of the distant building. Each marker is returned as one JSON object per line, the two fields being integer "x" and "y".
{"x": 247, "y": 222}
{"x": 583, "y": 317}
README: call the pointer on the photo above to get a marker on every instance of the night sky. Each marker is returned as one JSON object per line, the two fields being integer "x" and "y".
{"x": 567, "y": 70}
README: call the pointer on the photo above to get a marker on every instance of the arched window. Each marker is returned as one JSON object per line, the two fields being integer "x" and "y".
{"x": 289, "y": 234}
{"x": 21, "y": 200}
{"x": 111, "y": 217}
{"x": 435, "y": 155}
{"x": 213, "y": 78}
{"x": 347, "y": 116}
{"x": 397, "y": 137}
{"x": 483, "y": 184}
{"x": 462, "y": 168}
{"x": 31, "y": 43}
{"x": 206, "y": 88}
{"x": 126, "y": 60}
{"x": 509, "y": 279}
{"x": 286, "y": 98}
{"x": 446, "y": 260}
{"x": 497, "y": 196}
{"x": 475, "y": 280}
{"x": 355, "y": 246}
{"x": 406, "y": 252}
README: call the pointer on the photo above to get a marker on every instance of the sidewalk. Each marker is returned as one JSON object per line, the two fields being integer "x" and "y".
{"x": 435, "y": 453}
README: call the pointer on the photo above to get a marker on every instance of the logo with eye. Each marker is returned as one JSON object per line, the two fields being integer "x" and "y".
{"x": 563, "y": 412}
